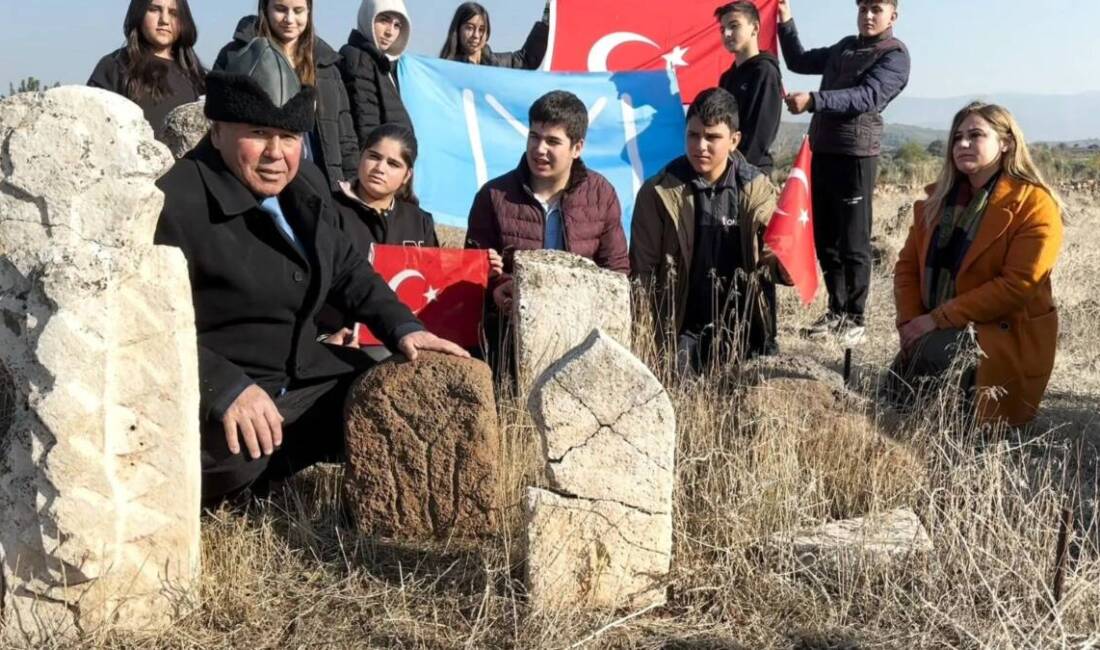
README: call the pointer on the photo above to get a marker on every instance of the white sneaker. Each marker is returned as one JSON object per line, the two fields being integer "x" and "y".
{"x": 851, "y": 335}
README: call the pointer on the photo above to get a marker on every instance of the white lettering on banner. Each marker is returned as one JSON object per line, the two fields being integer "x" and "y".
{"x": 630, "y": 130}
{"x": 481, "y": 170}
{"x": 508, "y": 117}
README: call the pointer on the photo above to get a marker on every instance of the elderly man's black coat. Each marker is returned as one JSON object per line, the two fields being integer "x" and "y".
{"x": 255, "y": 296}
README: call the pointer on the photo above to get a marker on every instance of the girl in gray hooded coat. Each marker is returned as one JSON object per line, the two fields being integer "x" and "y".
{"x": 369, "y": 66}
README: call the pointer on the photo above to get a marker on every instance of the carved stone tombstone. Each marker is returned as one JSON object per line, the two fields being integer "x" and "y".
{"x": 99, "y": 400}
{"x": 601, "y": 534}
{"x": 559, "y": 299}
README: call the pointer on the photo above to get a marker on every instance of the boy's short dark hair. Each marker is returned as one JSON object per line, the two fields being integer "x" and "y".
{"x": 871, "y": 2}
{"x": 747, "y": 10}
{"x": 715, "y": 106}
{"x": 561, "y": 108}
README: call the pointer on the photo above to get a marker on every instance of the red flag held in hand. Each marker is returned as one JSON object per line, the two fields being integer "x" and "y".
{"x": 790, "y": 234}
{"x": 627, "y": 35}
{"x": 444, "y": 287}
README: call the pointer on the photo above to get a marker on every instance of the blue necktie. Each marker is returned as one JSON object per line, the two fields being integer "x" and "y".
{"x": 271, "y": 206}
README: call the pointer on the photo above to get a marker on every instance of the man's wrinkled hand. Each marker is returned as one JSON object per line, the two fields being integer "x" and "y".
{"x": 253, "y": 418}
{"x": 411, "y": 345}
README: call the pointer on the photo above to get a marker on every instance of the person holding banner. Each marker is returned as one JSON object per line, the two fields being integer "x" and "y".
{"x": 980, "y": 253}
{"x": 157, "y": 69}
{"x": 332, "y": 145}
{"x": 258, "y": 230}
{"x": 468, "y": 40}
{"x": 754, "y": 80}
{"x": 860, "y": 76}
{"x": 697, "y": 244}
{"x": 369, "y": 66}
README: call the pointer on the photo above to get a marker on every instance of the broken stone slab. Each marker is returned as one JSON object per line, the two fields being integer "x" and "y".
{"x": 880, "y": 539}
{"x": 423, "y": 446}
{"x": 607, "y": 425}
{"x": 601, "y": 535}
{"x": 99, "y": 448}
{"x": 184, "y": 127}
{"x": 762, "y": 369}
{"x": 559, "y": 298}
{"x": 594, "y": 554}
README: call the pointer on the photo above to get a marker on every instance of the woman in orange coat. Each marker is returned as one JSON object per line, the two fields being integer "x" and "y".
{"x": 980, "y": 251}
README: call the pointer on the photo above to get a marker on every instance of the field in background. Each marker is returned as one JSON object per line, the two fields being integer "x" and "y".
{"x": 291, "y": 573}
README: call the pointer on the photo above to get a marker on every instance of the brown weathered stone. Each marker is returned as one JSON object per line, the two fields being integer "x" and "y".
{"x": 423, "y": 445}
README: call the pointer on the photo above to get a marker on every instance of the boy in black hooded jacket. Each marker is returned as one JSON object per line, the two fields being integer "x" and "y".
{"x": 754, "y": 80}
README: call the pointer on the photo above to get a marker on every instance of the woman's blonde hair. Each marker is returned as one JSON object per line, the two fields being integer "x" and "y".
{"x": 1016, "y": 161}
{"x": 302, "y": 57}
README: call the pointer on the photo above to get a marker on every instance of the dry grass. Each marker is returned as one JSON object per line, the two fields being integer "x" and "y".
{"x": 290, "y": 573}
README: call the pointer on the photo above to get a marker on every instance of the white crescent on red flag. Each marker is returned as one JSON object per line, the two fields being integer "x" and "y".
{"x": 630, "y": 35}
{"x": 444, "y": 288}
{"x": 790, "y": 235}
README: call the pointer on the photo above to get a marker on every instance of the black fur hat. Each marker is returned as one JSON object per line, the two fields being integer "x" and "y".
{"x": 259, "y": 86}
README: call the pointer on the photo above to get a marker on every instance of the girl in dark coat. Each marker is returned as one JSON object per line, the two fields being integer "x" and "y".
{"x": 468, "y": 41}
{"x": 157, "y": 69}
{"x": 288, "y": 24}
{"x": 380, "y": 208}
{"x": 369, "y": 66}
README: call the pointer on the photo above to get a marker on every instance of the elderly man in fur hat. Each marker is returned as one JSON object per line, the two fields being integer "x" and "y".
{"x": 257, "y": 227}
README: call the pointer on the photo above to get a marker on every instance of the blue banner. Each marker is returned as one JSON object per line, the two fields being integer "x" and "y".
{"x": 471, "y": 123}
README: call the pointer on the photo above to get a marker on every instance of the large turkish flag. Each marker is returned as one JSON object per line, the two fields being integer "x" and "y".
{"x": 444, "y": 287}
{"x": 625, "y": 35}
{"x": 790, "y": 233}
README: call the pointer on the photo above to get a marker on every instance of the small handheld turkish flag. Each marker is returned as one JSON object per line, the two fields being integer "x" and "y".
{"x": 444, "y": 287}
{"x": 790, "y": 234}
{"x": 621, "y": 35}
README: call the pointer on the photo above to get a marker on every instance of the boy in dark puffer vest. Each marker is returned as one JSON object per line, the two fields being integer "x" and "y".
{"x": 860, "y": 76}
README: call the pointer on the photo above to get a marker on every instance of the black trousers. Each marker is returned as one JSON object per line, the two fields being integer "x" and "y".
{"x": 843, "y": 189}
{"x": 313, "y": 431}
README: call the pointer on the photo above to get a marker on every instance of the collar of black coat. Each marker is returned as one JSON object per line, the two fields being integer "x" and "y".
{"x": 884, "y": 36}
{"x": 231, "y": 195}
{"x": 577, "y": 173}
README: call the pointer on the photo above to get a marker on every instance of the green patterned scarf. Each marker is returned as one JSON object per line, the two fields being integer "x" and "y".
{"x": 956, "y": 231}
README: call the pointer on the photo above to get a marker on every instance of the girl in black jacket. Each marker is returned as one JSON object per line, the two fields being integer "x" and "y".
{"x": 380, "y": 208}
{"x": 157, "y": 69}
{"x": 369, "y": 66}
{"x": 288, "y": 24}
{"x": 468, "y": 41}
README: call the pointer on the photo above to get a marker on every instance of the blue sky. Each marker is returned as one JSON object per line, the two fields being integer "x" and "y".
{"x": 960, "y": 47}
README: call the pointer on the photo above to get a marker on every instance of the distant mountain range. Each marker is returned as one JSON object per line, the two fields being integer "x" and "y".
{"x": 1044, "y": 118}
{"x": 895, "y": 135}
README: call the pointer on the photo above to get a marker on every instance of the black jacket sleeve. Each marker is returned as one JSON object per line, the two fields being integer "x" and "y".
{"x": 879, "y": 86}
{"x": 108, "y": 75}
{"x": 361, "y": 81}
{"x": 349, "y": 139}
{"x": 760, "y": 115}
{"x": 528, "y": 57}
{"x": 431, "y": 240}
{"x": 799, "y": 60}
{"x": 220, "y": 380}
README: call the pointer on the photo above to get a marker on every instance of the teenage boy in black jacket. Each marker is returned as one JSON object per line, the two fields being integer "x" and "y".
{"x": 860, "y": 76}
{"x": 754, "y": 80}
